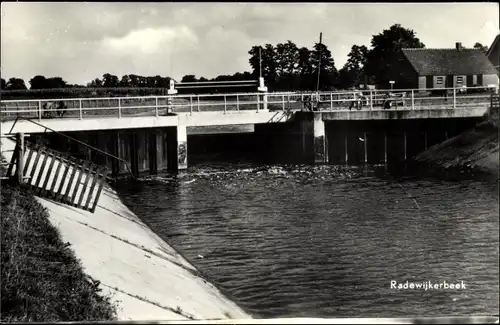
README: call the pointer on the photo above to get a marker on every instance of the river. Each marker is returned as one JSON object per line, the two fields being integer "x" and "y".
{"x": 303, "y": 241}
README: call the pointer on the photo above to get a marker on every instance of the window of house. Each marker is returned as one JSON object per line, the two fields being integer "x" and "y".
{"x": 439, "y": 80}
{"x": 460, "y": 80}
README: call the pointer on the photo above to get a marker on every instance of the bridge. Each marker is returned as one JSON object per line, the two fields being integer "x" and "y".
{"x": 164, "y": 122}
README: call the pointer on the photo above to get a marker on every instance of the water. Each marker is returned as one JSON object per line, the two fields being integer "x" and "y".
{"x": 326, "y": 242}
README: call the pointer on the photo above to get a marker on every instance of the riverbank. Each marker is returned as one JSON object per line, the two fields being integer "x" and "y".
{"x": 37, "y": 267}
{"x": 472, "y": 150}
{"x": 145, "y": 277}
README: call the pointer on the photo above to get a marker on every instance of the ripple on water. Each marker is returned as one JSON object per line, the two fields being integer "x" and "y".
{"x": 287, "y": 241}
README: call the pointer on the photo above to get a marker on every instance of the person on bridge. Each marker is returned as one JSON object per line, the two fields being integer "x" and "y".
{"x": 61, "y": 108}
{"x": 358, "y": 99}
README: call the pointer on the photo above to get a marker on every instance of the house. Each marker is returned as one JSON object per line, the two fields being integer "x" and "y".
{"x": 494, "y": 54}
{"x": 442, "y": 68}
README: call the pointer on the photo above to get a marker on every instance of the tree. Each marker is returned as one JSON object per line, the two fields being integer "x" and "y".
{"x": 254, "y": 60}
{"x": 110, "y": 81}
{"x": 150, "y": 82}
{"x": 269, "y": 65}
{"x": 480, "y": 46}
{"x": 158, "y": 81}
{"x": 125, "y": 81}
{"x": 287, "y": 56}
{"x": 352, "y": 73}
{"x": 38, "y": 82}
{"x": 96, "y": 83}
{"x": 304, "y": 69}
{"x": 385, "y": 46}
{"x": 189, "y": 78}
{"x": 322, "y": 57}
{"x": 55, "y": 83}
{"x": 4, "y": 83}
{"x": 15, "y": 84}
{"x": 134, "y": 80}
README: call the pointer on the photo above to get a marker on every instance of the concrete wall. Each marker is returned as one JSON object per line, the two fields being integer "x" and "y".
{"x": 312, "y": 140}
{"x": 490, "y": 79}
{"x": 147, "y": 151}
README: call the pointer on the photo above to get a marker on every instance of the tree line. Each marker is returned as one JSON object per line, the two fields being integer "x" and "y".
{"x": 284, "y": 67}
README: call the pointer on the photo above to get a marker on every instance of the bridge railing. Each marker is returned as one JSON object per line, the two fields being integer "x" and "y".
{"x": 119, "y": 107}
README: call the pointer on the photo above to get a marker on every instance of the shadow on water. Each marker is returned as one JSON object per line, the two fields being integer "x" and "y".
{"x": 326, "y": 241}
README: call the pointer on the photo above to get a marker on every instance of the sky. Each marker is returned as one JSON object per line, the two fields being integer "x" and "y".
{"x": 80, "y": 41}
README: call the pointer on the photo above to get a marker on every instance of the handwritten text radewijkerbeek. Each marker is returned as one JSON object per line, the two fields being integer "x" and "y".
{"x": 427, "y": 285}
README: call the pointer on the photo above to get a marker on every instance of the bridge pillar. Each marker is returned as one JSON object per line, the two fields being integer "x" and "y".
{"x": 182, "y": 147}
{"x": 262, "y": 97}
{"x": 320, "y": 145}
{"x": 313, "y": 140}
{"x": 177, "y": 147}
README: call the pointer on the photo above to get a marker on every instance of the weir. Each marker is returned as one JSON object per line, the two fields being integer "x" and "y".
{"x": 305, "y": 139}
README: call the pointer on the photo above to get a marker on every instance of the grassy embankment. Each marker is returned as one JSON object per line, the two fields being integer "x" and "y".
{"x": 41, "y": 279}
{"x": 475, "y": 149}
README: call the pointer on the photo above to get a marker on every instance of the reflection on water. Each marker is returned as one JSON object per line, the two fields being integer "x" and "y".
{"x": 298, "y": 241}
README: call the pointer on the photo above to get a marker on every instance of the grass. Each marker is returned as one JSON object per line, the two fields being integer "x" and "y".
{"x": 41, "y": 279}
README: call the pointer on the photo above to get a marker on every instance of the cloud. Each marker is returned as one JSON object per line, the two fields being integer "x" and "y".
{"x": 150, "y": 40}
{"x": 81, "y": 41}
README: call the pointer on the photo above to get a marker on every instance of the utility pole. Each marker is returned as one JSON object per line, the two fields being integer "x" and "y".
{"x": 319, "y": 59}
{"x": 260, "y": 61}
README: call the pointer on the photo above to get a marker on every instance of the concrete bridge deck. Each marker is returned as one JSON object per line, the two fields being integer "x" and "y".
{"x": 87, "y": 114}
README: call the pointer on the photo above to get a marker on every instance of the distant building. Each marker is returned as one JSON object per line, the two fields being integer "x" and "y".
{"x": 494, "y": 54}
{"x": 442, "y": 68}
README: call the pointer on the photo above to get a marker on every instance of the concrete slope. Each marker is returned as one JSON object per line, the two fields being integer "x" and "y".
{"x": 146, "y": 276}
{"x": 477, "y": 148}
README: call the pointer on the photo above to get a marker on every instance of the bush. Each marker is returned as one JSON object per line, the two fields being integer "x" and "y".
{"x": 41, "y": 279}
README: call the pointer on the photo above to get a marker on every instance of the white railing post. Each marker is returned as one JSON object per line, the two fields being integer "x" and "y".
{"x": 191, "y": 104}
{"x": 454, "y": 98}
{"x": 331, "y": 101}
{"x": 288, "y": 99}
{"x": 237, "y": 102}
{"x": 225, "y": 104}
{"x": 283, "y": 101}
{"x": 80, "y": 108}
{"x": 39, "y": 110}
{"x": 412, "y": 99}
{"x": 156, "y": 106}
{"x": 198, "y": 96}
{"x": 119, "y": 108}
{"x": 371, "y": 100}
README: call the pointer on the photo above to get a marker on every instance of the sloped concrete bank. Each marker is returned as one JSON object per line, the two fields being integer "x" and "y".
{"x": 145, "y": 276}
{"x": 475, "y": 150}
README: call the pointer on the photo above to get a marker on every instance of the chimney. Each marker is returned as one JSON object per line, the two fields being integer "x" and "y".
{"x": 458, "y": 46}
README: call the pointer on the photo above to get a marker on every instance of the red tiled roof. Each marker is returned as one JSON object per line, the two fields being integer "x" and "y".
{"x": 449, "y": 61}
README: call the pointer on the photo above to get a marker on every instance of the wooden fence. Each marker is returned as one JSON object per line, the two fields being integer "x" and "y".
{"x": 58, "y": 176}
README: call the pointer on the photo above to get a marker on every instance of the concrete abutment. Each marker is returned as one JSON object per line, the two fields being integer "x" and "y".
{"x": 146, "y": 151}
